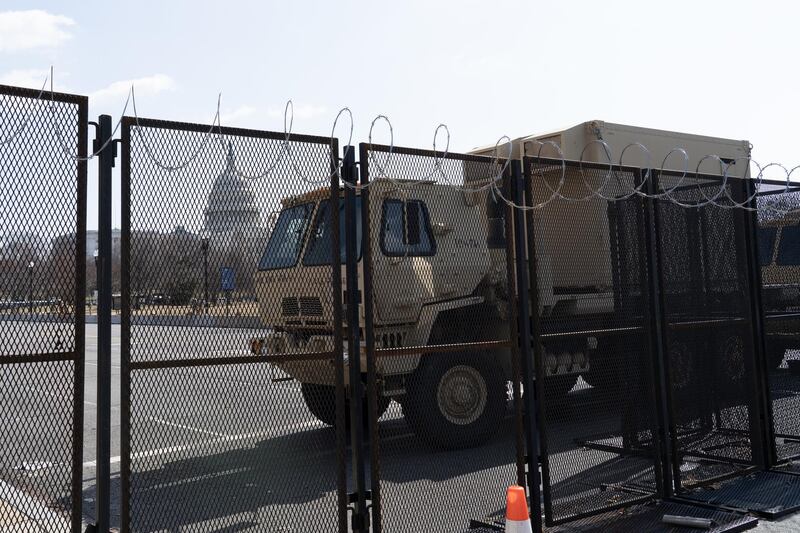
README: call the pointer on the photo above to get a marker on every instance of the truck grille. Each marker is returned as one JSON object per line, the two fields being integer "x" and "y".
{"x": 305, "y": 306}
{"x": 311, "y": 306}
{"x": 290, "y": 307}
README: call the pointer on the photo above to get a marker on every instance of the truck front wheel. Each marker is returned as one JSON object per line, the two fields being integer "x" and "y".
{"x": 321, "y": 401}
{"x": 456, "y": 400}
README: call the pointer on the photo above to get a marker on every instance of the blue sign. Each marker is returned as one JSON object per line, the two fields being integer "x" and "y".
{"x": 227, "y": 279}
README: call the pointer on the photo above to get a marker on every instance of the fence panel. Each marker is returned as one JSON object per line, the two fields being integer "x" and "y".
{"x": 779, "y": 258}
{"x": 441, "y": 361}
{"x": 42, "y": 295}
{"x": 594, "y": 362}
{"x": 231, "y": 297}
{"x": 710, "y": 349}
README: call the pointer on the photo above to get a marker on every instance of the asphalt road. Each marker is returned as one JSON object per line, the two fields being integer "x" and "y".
{"x": 227, "y": 449}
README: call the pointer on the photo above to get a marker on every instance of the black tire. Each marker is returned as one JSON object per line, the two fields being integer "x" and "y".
{"x": 321, "y": 401}
{"x": 456, "y": 400}
{"x": 605, "y": 384}
{"x": 732, "y": 354}
{"x": 775, "y": 354}
{"x": 556, "y": 387}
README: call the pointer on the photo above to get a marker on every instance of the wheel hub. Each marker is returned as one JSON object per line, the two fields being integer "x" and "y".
{"x": 734, "y": 357}
{"x": 461, "y": 395}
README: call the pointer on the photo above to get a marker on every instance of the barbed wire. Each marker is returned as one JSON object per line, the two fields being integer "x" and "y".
{"x": 595, "y": 189}
{"x": 24, "y": 124}
{"x": 60, "y": 135}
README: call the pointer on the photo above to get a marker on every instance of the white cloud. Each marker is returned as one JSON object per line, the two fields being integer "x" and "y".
{"x": 26, "y": 30}
{"x": 305, "y": 111}
{"x": 147, "y": 86}
{"x": 238, "y": 115}
{"x": 30, "y": 78}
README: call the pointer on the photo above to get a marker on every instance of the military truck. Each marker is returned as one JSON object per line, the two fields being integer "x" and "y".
{"x": 439, "y": 261}
{"x": 779, "y": 255}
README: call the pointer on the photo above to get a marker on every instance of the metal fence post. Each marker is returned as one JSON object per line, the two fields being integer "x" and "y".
{"x": 369, "y": 337}
{"x": 655, "y": 302}
{"x": 360, "y": 519}
{"x": 527, "y": 294}
{"x": 103, "y": 259}
{"x": 768, "y": 456}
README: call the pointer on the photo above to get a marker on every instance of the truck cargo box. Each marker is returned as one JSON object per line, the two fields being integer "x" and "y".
{"x": 573, "y": 237}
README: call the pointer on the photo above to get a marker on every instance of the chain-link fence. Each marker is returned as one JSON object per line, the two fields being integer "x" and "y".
{"x": 779, "y": 258}
{"x": 444, "y": 370}
{"x": 232, "y": 384}
{"x": 42, "y": 263}
{"x": 711, "y": 357}
{"x": 593, "y": 347}
{"x": 297, "y": 345}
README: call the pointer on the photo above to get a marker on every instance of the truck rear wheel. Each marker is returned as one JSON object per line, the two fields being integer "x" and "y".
{"x": 556, "y": 387}
{"x": 321, "y": 401}
{"x": 776, "y": 351}
{"x": 456, "y": 400}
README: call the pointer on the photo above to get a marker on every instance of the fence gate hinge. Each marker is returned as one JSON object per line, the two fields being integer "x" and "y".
{"x": 359, "y": 521}
{"x": 352, "y": 497}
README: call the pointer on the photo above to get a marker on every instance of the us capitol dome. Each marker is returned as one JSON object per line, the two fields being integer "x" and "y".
{"x": 231, "y": 205}
{"x": 232, "y": 229}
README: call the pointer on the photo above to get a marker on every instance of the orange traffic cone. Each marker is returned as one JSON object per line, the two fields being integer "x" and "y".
{"x": 517, "y": 518}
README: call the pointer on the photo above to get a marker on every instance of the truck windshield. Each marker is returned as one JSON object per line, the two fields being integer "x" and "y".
{"x": 286, "y": 239}
{"x": 318, "y": 251}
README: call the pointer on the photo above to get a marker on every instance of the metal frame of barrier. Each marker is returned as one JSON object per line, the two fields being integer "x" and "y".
{"x": 416, "y": 168}
{"x": 260, "y": 380}
{"x": 39, "y": 364}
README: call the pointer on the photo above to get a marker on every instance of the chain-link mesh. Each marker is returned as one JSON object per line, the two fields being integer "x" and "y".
{"x": 442, "y": 318}
{"x": 594, "y": 365}
{"x": 779, "y": 258}
{"x": 710, "y": 353}
{"x": 42, "y": 248}
{"x": 231, "y": 346}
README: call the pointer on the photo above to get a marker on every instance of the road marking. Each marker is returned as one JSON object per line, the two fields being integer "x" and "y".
{"x": 34, "y": 509}
{"x": 275, "y": 432}
{"x": 188, "y": 428}
{"x": 95, "y": 364}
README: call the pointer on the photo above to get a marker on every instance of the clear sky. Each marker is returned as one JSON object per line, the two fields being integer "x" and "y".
{"x": 721, "y": 68}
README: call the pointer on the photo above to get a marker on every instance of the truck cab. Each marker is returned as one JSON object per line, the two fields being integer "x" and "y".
{"x": 439, "y": 278}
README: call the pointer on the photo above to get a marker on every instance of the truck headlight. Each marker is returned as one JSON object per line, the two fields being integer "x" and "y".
{"x": 256, "y": 345}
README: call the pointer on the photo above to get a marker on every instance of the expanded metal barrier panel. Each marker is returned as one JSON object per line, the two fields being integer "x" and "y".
{"x": 779, "y": 259}
{"x": 42, "y": 295}
{"x": 593, "y": 349}
{"x": 443, "y": 370}
{"x": 232, "y": 369}
{"x": 708, "y": 328}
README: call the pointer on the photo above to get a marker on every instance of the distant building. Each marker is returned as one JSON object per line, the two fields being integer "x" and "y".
{"x": 233, "y": 228}
{"x": 231, "y": 205}
{"x": 92, "y": 237}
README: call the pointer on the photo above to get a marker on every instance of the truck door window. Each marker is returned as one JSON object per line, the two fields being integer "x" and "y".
{"x": 406, "y": 229}
{"x": 789, "y": 247}
{"x": 286, "y": 240}
{"x": 766, "y": 245}
{"x": 318, "y": 251}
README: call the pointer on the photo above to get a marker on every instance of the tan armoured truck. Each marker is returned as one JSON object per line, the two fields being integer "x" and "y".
{"x": 779, "y": 255}
{"x": 439, "y": 262}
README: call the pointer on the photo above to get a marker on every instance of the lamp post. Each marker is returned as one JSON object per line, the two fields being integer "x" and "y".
{"x": 30, "y": 286}
{"x": 204, "y": 247}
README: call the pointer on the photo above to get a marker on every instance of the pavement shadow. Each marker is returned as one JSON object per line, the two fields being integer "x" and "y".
{"x": 285, "y": 483}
